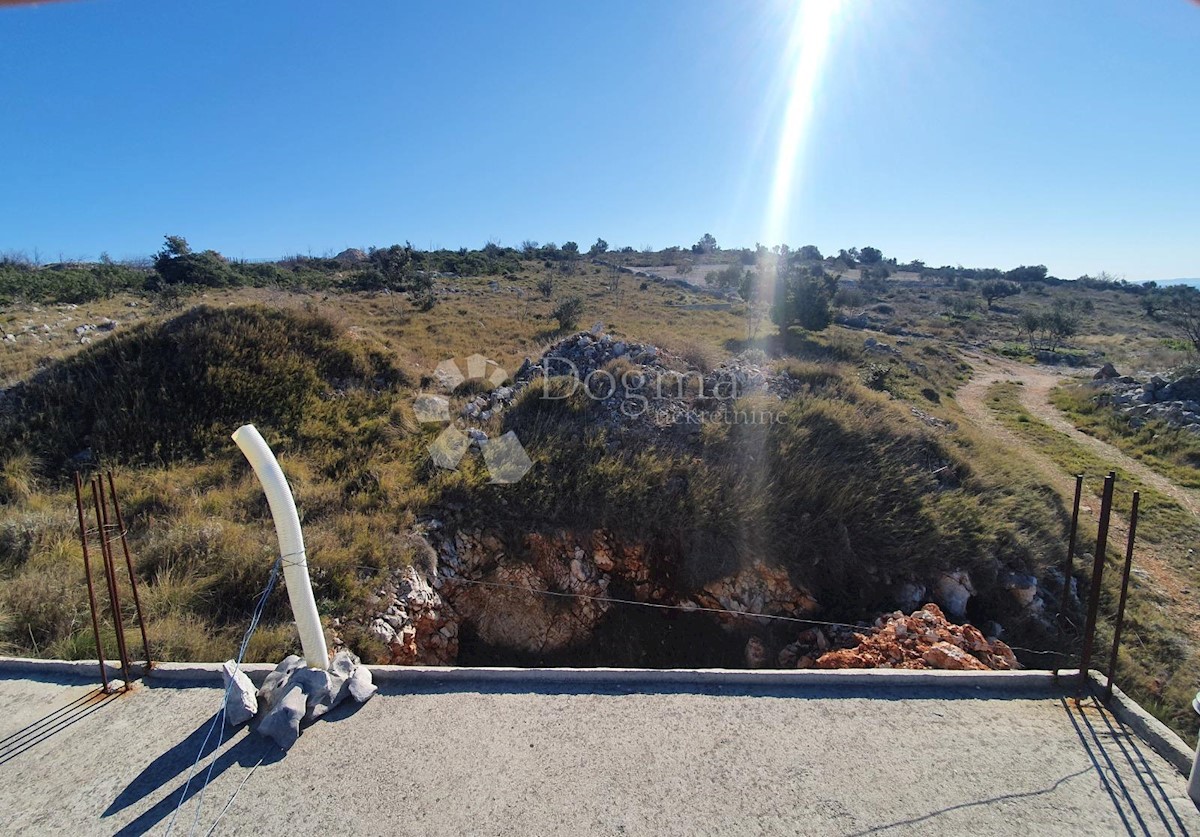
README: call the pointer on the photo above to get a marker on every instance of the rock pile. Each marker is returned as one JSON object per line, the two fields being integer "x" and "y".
{"x": 293, "y": 693}
{"x": 923, "y": 640}
{"x": 640, "y": 384}
{"x": 1175, "y": 402}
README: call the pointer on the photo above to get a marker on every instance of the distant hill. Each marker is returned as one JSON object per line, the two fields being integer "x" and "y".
{"x": 1195, "y": 283}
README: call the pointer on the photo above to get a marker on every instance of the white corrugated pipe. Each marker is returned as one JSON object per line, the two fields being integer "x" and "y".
{"x": 291, "y": 544}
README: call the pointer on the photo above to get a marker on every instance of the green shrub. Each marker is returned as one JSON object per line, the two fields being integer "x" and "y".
{"x": 568, "y": 313}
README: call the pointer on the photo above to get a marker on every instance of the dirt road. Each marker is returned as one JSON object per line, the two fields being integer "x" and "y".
{"x": 1034, "y": 394}
{"x": 1038, "y": 382}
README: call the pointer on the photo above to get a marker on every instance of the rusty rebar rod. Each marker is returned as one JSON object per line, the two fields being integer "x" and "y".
{"x": 114, "y": 595}
{"x": 1112, "y": 662}
{"x": 137, "y": 601}
{"x": 1068, "y": 564}
{"x": 1089, "y": 631}
{"x": 87, "y": 571}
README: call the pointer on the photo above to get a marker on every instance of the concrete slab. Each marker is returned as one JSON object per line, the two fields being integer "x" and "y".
{"x": 609, "y": 755}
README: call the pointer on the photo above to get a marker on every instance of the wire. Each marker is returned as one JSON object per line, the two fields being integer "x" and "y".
{"x": 220, "y": 716}
{"x": 747, "y": 614}
{"x": 683, "y": 608}
{"x": 236, "y": 790}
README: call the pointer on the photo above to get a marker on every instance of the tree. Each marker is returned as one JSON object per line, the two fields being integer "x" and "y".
{"x": 1053, "y": 327}
{"x": 706, "y": 244}
{"x": 601, "y": 246}
{"x": 1059, "y": 324}
{"x": 803, "y": 297}
{"x": 727, "y": 278}
{"x": 1181, "y": 309}
{"x": 571, "y": 248}
{"x": 1024, "y": 274}
{"x": 870, "y": 255}
{"x": 809, "y": 253}
{"x": 1029, "y": 324}
{"x": 751, "y": 291}
{"x": 174, "y": 245}
{"x": 176, "y": 264}
{"x": 395, "y": 263}
{"x": 568, "y": 313}
{"x": 997, "y": 289}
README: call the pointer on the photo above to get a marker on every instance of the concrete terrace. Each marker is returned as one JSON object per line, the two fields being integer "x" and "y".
{"x": 455, "y": 751}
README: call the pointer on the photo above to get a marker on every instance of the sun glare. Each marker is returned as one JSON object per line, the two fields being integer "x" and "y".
{"x": 813, "y": 25}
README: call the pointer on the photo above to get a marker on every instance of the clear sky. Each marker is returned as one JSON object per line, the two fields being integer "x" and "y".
{"x": 966, "y": 132}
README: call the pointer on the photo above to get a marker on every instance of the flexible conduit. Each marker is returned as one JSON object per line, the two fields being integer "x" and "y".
{"x": 291, "y": 544}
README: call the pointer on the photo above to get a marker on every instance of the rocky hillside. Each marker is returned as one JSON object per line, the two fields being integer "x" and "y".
{"x": 1176, "y": 402}
{"x": 844, "y": 505}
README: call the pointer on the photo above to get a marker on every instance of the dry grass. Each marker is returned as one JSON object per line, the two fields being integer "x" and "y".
{"x": 852, "y": 493}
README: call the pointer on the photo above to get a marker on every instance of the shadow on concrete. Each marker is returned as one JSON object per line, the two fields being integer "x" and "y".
{"x": 1119, "y": 762}
{"x": 250, "y": 750}
{"x": 51, "y": 724}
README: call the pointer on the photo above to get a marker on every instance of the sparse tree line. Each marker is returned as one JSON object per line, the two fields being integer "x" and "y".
{"x": 802, "y": 282}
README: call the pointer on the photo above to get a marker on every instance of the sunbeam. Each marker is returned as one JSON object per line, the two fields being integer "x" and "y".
{"x": 812, "y": 30}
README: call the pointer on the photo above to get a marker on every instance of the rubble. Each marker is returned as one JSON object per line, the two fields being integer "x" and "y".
{"x": 923, "y": 640}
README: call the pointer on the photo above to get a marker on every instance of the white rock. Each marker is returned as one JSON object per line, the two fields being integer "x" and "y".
{"x": 953, "y": 590}
{"x": 282, "y": 722}
{"x": 241, "y": 698}
{"x": 362, "y": 685}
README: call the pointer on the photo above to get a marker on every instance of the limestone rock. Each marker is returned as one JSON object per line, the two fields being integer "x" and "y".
{"x": 241, "y": 698}
{"x": 281, "y": 723}
{"x": 953, "y": 590}
{"x": 362, "y": 685}
{"x": 757, "y": 655}
{"x": 276, "y": 679}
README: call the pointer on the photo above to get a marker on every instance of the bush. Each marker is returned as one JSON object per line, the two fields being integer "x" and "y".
{"x": 568, "y": 313}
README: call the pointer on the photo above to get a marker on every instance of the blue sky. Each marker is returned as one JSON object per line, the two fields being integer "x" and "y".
{"x": 965, "y": 131}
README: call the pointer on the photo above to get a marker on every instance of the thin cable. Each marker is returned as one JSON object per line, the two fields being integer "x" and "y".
{"x": 683, "y": 608}
{"x": 695, "y": 609}
{"x": 254, "y": 620}
{"x": 220, "y": 716}
{"x": 236, "y": 790}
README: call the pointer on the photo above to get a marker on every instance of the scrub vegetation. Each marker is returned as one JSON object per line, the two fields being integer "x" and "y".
{"x": 872, "y": 476}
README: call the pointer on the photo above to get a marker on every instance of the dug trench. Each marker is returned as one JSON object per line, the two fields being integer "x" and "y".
{"x": 586, "y": 599}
